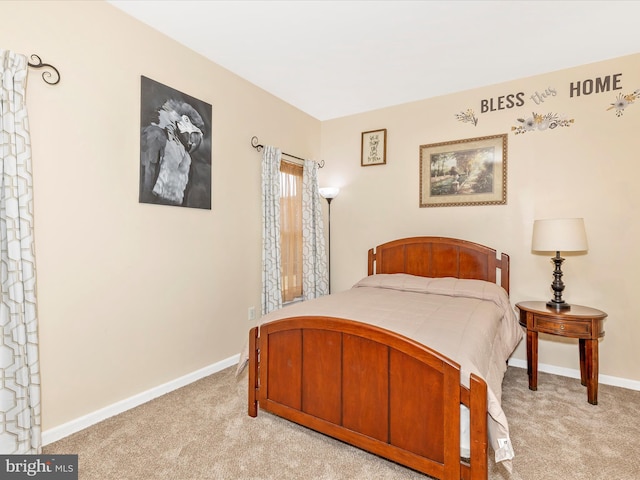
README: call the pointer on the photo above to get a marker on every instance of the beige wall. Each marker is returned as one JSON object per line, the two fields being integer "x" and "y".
{"x": 589, "y": 169}
{"x": 135, "y": 295}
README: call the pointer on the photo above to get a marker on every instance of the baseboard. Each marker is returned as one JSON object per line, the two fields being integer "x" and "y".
{"x": 573, "y": 373}
{"x": 57, "y": 433}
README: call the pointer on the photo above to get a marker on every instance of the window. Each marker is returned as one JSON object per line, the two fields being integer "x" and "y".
{"x": 291, "y": 230}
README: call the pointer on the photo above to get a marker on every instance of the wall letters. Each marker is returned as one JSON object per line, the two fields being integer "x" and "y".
{"x": 577, "y": 88}
{"x": 538, "y": 98}
{"x": 501, "y": 103}
{"x": 596, "y": 85}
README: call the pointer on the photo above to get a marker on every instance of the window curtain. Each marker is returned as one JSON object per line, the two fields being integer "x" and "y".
{"x": 20, "y": 430}
{"x": 315, "y": 277}
{"x": 271, "y": 252}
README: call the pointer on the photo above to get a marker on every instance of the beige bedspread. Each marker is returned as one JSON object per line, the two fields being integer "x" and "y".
{"x": 470, "y": 321}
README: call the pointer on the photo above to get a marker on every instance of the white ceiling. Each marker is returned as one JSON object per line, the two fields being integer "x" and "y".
{"x": 336, "y": 58}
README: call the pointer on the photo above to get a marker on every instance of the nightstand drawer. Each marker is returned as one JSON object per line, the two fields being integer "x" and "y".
{"x": 559, "y": 327}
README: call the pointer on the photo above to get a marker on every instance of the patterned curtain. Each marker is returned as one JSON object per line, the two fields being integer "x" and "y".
{"x": 315, "y": 277}
{"x": 19, "y": 366}
{"x": 271, "y": 253}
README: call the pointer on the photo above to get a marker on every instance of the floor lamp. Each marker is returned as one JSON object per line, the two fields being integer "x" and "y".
{"x": 329, "y": 193}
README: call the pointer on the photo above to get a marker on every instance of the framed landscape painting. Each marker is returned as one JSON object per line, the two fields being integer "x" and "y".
{"x": 464, "y": 172}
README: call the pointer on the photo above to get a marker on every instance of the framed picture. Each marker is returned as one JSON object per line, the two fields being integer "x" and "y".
{"x": 175, "y": 147}
{"x": 464, "y": 172}
{"x": 374, "y": 148}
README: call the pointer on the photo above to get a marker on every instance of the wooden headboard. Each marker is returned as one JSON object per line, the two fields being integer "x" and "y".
{"x": 439, "y": 257}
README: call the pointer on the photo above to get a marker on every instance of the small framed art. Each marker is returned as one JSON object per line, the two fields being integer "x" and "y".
{"x": 464, "y": 172}
{"x": 374, "y": 148}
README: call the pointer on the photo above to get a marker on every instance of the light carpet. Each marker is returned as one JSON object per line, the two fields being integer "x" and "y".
{"x": 202, "y": 431}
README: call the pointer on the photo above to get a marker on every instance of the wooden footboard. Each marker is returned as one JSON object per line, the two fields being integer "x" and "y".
{"x": 371, "y": 388}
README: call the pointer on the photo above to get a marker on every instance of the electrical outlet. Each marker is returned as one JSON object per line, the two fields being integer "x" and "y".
{"x": 252, "y": 314}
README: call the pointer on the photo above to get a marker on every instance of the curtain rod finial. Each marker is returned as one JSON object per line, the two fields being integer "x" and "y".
{"x": 255, "y": 144}
{"x": 46, "y": 75}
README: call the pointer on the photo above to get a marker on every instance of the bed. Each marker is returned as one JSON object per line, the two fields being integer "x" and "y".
{"x": 407, "y": 365}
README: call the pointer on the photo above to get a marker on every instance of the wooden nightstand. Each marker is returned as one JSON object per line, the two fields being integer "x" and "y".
{"x": 583, "y": 323}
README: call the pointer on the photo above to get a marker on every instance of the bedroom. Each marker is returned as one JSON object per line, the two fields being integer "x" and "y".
{"x": 116, "y": 277}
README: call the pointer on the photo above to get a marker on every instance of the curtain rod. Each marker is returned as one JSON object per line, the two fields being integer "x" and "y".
{"x": 46, "y": 75}
{"x": 258, "y": 147}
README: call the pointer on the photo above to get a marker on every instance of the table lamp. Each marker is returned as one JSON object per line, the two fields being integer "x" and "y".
{"x": 559, "y": 235}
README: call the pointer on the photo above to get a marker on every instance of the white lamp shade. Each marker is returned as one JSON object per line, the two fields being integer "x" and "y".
{"x": 329, "y": 192}
{"x": 559, "y": 235}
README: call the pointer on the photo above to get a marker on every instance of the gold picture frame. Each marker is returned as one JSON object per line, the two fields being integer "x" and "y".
{"x": 464, "y": 172}
{"x": 373, "y": 149}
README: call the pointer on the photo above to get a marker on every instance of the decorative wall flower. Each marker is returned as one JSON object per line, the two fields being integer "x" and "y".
{"x": 541, "y": 122}
{"x": 467, "y": 117}
{"x": 623, "y": 101}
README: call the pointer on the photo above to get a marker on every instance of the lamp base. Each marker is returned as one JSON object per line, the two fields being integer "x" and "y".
{"x": 561, "y": 305}
{"x": 557, "y": 303}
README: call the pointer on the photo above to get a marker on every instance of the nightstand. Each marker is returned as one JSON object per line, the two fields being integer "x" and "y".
{"x": 583, "y": 323}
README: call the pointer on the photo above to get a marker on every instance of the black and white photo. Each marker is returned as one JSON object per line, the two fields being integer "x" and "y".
{"x": 175, "y": 147}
